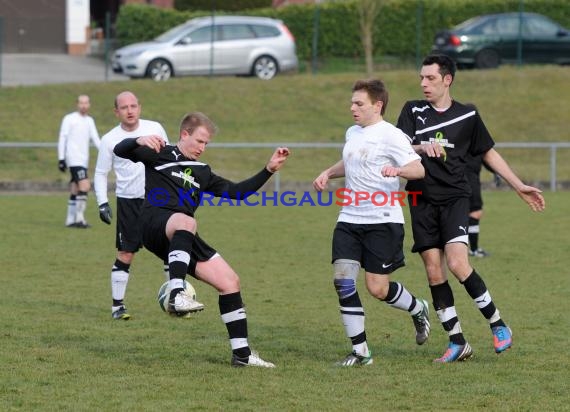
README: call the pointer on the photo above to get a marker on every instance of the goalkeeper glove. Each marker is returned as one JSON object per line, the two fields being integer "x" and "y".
{"x": 62, "y": 166}
{"x": 105, "y": 213}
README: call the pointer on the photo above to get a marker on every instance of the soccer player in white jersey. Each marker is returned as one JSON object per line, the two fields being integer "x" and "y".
{"x": 76, "y": 131}
{"x": 370, "y": 232}
{"x": 129, "y": 190}
{"x": 444, "y": 132}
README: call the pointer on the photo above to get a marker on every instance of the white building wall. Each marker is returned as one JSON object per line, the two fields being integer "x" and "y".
{"x": 77, "y": 21}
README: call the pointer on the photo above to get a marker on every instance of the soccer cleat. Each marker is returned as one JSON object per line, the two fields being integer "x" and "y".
{"x": 456, "y": 353}
{"x": 479, "y": 253}
{"x": 82, "y": 225}
{"x": 251, "y": 360}
{"x": 121, "y": 314}
{"x": 502, "y": 338}
{"x": 354, "y": 359}
{"x": 421, "y": 323}
{"x": 183, "y": 303}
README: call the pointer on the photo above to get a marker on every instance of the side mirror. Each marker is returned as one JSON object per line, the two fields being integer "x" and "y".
{"x": 185, "y": 41}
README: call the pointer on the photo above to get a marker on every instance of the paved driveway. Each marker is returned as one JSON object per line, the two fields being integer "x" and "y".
{"x": 34, "y": 69}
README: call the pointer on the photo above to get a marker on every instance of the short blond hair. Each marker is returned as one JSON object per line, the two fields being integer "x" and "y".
{"x": 191, "y": 121}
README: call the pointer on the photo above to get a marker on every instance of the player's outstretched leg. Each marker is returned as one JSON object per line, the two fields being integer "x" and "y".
{"x": 502, "y": 334}
{"x": 234, "y": 317}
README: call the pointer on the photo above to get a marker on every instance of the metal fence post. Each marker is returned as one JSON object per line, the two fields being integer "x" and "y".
{"x": 315, "y": 44}
{"x": 107, "y": 43}
{"x": 553, "y": 168}
{"x": 419, "y": 20}
{"x": 1, "y": 41}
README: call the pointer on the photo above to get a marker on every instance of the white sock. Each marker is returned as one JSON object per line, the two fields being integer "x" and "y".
{"x": 80, "y": 205}
{"x": 119, "y": 280}
{"x": 70, "y": 219}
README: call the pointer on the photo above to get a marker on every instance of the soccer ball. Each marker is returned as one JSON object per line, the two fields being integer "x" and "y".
{"x": 164, "y": 296}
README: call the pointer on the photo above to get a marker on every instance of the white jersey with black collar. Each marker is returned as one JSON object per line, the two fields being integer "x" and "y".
{"x": 75, "y": 133}
{"x": 129, "y": 176}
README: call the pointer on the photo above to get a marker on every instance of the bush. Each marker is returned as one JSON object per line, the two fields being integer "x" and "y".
{"x": 404, "y": 27}
{"x": 234, "y": 5}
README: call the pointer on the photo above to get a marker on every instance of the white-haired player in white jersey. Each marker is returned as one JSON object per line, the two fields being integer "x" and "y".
{"x": 76, "y": 132}
{"x": 130, "y": 183}
{"x": 370, "y": 231}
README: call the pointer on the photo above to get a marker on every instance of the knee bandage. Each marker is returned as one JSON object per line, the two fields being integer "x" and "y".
{"x": 345, "y": 275}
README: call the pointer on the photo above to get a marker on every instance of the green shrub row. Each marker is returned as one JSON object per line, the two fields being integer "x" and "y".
{"x": 234, "y": 5}
{"x": 403, "y": 28}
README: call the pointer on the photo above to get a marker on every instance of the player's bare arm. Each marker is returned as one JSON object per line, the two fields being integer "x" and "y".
{"x": 333, "y": 172}
{"x": 152, "y": 141}
{"x": 531, "y": 195}
{"x": 411, "y": 171}
{"x": 277, "y": 159}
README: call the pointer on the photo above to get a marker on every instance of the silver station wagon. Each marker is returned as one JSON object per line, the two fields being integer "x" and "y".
{"x": 219, "y": 45}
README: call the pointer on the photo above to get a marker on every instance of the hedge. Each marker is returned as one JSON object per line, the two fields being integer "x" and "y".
{"x": 234, "y": 5}
{"x": 403, "y": 26}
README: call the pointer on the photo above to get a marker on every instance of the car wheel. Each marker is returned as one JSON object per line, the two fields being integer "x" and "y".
{"x": 265, "y": 67}
{"x": 487, "y": 59}
{"x": 159, "y": 70}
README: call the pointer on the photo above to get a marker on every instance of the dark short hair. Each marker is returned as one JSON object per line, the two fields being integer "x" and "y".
{"x": 445, "y": 63}
{"x": 191, "y": 121}
{"x": 376, "y": 91}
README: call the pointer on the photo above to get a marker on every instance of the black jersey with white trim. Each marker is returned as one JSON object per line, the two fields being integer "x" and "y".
{"x": 460, "y": 131}
{"x": 176, "y": 183}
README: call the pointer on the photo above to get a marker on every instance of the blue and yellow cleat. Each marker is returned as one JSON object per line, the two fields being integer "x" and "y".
{"x": 121, "y": 314}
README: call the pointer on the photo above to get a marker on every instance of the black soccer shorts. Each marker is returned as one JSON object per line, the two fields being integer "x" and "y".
{"x": 77, "y": 173}
{"x": 434, "y": 226}
{"x": 476, "y": 199}
{"x": 153, "y": 221}
{"x": 129, "y": 235}
{"x": 378, "y": 247}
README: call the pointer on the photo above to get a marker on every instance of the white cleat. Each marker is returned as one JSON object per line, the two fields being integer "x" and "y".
{"x": 183, "y": 304}
{"x": 251, "y": 360}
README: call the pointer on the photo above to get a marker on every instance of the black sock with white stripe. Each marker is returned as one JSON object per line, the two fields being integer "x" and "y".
{"x": 444, "y": 305}
{"x": 234, "y": 317}
{"x": 179, "y": 259}
{"x": 476, "y": 288}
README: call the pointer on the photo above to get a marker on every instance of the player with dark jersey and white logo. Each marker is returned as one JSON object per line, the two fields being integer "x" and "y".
{"x": 443, "y": 133}
{"x": 175, "y": 180}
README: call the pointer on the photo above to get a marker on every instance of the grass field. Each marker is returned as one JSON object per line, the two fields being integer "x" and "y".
{"x": 62, "y": 351}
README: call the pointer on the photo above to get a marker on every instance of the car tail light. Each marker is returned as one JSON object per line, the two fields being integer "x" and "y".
{"x": 454, "y": 40}
{"x": 287, "y": 32}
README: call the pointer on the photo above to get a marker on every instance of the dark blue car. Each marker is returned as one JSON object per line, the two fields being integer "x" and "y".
{"x": 490, "y": 40}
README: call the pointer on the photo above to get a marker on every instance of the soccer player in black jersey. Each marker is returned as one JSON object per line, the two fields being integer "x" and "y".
{"x": 444, "y": 131}
{"x": 175, "y": 181}
{"x": 473, "y": 166}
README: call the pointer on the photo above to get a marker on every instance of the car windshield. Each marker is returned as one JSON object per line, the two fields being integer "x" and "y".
{"x": 173, "y": 33}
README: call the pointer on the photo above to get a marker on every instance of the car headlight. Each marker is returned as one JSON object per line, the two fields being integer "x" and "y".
{"x": 132, "y": 53}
